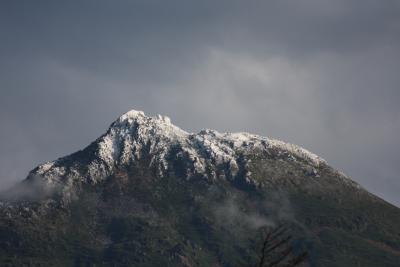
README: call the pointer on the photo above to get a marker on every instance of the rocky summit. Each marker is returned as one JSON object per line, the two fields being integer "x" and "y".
{"x": 147, "y": 193}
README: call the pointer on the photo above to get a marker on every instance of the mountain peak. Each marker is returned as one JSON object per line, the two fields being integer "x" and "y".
{"x": 135, "y": 137}
{"x": 147, "y": 180}
{"x": 138, "y": 116}
{"x": 132, "y": 115}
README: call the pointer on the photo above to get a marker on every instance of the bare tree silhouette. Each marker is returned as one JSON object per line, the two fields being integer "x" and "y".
{"x": 277, "y": 251}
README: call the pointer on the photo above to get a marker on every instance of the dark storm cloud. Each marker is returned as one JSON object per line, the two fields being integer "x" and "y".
{"x": 322, "y": 74}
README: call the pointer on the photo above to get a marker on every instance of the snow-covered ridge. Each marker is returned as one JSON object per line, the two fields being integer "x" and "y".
{"x": 134, "y": 136}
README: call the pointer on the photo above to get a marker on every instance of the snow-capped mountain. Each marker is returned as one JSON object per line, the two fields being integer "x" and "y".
{"x": 134, "y": 136}
{"x": 147, "y": 193}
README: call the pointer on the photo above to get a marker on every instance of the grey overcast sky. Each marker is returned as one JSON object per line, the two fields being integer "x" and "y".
{"x": 321, "y": 74}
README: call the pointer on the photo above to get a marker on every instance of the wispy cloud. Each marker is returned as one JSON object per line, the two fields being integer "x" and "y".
{"x": 233, "y": 213}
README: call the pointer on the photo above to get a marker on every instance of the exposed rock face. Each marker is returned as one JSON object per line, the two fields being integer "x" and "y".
{"x": 147, "y": 193}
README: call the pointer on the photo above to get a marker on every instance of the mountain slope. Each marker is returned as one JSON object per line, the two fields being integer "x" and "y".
{"x": 147, "y": 193}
